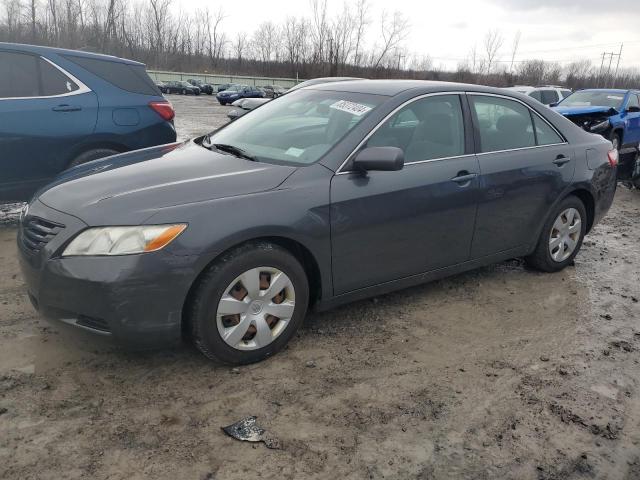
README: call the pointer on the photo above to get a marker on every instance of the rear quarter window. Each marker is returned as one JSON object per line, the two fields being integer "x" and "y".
{"x": 132, "y": 78}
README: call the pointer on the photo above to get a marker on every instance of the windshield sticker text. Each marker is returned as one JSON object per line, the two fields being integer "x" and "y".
{"x": 353, "y": 108}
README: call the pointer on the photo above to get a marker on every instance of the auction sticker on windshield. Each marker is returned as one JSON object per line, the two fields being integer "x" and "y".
{"x": 353, "y": 108}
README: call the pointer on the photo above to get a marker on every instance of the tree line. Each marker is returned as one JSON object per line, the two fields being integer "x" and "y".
{"x": 349, "y": 42}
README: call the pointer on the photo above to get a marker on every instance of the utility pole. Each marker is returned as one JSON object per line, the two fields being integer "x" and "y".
{"x": 600, "y": 72}
{"x": 615, "y": 77}
{"x": 610, "y": 55}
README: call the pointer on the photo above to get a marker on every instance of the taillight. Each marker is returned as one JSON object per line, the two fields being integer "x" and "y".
{"x": 613, "y": 157}
{"x": 164, "y": 109}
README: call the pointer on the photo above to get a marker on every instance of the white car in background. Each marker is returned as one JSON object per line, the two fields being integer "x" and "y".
{"x": 546, "y": 94}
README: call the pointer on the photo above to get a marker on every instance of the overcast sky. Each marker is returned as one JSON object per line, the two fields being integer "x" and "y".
{"x": 558, "y": 30}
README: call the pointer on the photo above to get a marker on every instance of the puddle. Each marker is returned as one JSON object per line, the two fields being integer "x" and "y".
{"x": 41, "y": 352}
{"x": 606, "y": 391}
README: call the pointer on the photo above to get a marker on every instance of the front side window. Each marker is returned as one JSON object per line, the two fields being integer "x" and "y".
{"x": 503, "y": 124}
{"x": 298, "y": 128}
{"x": 633, "y": 101}
{"x": 426, "y": 129}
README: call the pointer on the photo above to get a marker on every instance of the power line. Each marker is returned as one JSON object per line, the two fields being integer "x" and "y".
{"x": 581, "y": 47}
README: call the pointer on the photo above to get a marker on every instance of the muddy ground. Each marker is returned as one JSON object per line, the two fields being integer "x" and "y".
{"x": 502, "y": 372}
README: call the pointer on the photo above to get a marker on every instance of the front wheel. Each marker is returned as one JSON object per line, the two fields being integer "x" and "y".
{"x": 248, "y": 304}
{"x": 561, "y": 236}
{"x": 184, "y": 91}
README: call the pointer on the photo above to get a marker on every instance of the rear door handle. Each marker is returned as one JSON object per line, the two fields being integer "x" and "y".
{"x": 561, "y": 160}
{"x": 464, "y": 177}
{"x": 67, "y": 108}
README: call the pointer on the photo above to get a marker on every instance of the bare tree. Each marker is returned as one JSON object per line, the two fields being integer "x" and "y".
{"x": 492, "y": 44}
{"x": 239, "y": 46}
{"x": 393, "y": 31}
{"x": 514, "y": 50}
{"x": 362, "y": 21}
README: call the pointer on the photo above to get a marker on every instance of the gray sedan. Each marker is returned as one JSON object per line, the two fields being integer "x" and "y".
{"x": 326, "y": 195}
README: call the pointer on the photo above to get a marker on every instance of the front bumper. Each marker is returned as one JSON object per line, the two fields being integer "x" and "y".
{"x": 135, "y": 299}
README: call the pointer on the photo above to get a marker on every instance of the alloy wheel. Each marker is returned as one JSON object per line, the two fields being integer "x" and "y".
{"x": 565, "y": 235}
{"x": 255, "y": 308}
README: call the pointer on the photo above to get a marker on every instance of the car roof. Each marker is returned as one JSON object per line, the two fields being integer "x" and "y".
{"x": 39, "y": 50}
{"x": 608, "y": 90}
{"x": 394, "y": 87}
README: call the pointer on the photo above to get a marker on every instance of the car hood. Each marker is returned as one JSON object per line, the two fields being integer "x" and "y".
{"x": 568, "y": 111}
{"x": 129, "y": 188}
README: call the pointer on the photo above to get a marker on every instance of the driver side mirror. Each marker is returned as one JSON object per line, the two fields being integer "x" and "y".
{"x": 554, "y": 104}
{"x": 633, "y": 109}
{"x": 384, "y": 159}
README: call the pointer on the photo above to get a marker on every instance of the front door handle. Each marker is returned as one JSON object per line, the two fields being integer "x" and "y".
{"x": 464, "y": 177}
{"x": 67, "y": 108}
{"x": 561, "y": 160}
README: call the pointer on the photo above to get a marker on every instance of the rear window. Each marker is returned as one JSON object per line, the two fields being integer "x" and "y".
{"x": 27, "y": 76}
{"x": 18, "y": 75}
{"x": 132, "y": 78}
{"x": 54, "y": 82}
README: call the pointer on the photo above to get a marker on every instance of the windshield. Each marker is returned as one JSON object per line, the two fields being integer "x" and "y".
{"x": 297, "y": 128}
{"x": 590, "y": 98}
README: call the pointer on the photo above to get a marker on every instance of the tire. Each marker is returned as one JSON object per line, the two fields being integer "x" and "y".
{"x": 90, "y": 155}
{"x": 542, "y": 258}
{"x": 219, "y": 279}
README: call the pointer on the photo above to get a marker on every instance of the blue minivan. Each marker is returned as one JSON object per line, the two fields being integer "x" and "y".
{"x": 60, "y": 108}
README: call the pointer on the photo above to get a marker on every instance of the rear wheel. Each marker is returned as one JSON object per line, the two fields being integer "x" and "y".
{"x": 90, "y": 155}
{"x": 249, "y": 304}
{"x": 561, "y": 236}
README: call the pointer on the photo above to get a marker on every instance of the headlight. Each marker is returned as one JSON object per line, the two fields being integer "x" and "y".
{"x": 123, "y": 240}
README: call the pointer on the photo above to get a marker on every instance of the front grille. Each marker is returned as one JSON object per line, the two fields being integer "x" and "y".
{"x": 36, "y": 233}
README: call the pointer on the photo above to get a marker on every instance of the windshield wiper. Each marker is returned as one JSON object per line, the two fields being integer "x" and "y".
{"x": 233, "y": 150}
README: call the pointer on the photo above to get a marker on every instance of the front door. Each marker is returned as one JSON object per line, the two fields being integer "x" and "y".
{"x": 43, "y": 114}
{"x": 390, "y": 225}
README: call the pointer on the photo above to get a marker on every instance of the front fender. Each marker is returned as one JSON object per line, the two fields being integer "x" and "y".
{"x": 297, "y": 211}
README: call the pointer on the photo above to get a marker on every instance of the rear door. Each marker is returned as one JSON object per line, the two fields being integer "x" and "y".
{"x": 525, "y": 165}
{"x": 44, "y": 112}
{"x": 390, "y": 225}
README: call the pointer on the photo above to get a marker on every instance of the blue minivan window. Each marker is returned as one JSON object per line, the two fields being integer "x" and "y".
{"x": 18, "y": 75}
{"x": 28, "y": 76}
{"x": 132, "y": 78}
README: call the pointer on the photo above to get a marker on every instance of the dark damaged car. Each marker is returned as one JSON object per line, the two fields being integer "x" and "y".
{"x": 328, "y": 194}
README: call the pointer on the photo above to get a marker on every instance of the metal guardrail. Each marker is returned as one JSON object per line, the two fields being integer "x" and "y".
{"x": 164, "y": 76}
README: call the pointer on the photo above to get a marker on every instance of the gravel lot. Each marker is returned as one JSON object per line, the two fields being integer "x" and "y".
{"x": 498, "y": 373}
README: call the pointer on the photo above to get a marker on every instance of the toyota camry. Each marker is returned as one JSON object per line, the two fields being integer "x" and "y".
{"x": 328, "y": 194}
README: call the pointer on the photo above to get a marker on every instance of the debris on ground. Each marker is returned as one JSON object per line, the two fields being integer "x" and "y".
{"x": 246, "y": 430}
